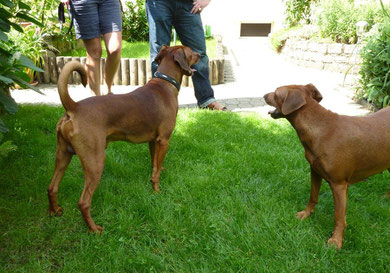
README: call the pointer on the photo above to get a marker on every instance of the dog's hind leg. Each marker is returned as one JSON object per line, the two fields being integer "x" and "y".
{"x": 314, "y": 192}
{"x": 159, "y": 154}
{"x": 152, "y": 149}
{"x": 63, "y": 158}
{"x": 92, "y": 159}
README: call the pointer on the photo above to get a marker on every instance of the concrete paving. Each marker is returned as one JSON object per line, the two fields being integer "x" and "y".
{"x": 252, "y": 70}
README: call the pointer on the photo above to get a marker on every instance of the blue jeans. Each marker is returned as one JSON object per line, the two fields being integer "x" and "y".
{"x": 165, "y": 14}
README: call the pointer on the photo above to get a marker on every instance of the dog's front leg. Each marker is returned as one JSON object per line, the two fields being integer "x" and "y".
{"x": 340, "y": 192}
{"x": 161, "y": 148}
{"x": 314, "y": 192}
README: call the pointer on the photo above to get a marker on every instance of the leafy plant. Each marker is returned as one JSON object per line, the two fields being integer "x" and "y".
{"x": 12, "y": 62}
{"x": 375, "y": 68}
{"x": 337, "y": 19}
{"x": 298, "y": 11}
{"x": 135, "y": 24}
{"x": 6, "y": 148}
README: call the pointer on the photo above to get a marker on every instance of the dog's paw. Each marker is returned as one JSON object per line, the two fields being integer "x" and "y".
{"x": 303, "y": 214}
{"x": 388, "y": 194}
{"x": 96, "y": 231}
{"x": 58, "y": 212}
{"x": 338, "y": 243}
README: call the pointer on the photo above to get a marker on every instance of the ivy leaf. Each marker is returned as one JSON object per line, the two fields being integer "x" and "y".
{"x": 7, "y": 3}
{"x": 8, "y": 103}
{"x": 3, "y": 36}
{"x": 28, "y": 18}
{"x": 28, "y": 63}
{"x": 6, "y": 80}
{"x": 3, "y": 128}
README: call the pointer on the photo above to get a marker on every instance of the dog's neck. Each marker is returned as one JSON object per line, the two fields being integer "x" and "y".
{"x": 163, "y": 76}
{"x": 310, "y": 122}
{"x": 172, "y": 71}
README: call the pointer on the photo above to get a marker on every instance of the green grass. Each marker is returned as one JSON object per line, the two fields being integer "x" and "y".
{"x": 139, "y": 50}
{"x": 232, "y": 185}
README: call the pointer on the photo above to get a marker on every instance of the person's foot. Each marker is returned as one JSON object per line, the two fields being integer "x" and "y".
{"x": 216, "y": 106}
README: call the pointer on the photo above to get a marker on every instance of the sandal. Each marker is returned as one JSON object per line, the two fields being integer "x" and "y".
{"x": 216, "y": 106}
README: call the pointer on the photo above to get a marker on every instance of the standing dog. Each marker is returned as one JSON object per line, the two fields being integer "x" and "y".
{"x": 147, "y": 114}
{"x": 341, "y": 149}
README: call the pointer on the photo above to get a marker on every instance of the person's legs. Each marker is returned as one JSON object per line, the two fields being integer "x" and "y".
{"x": 94, "y": 53}
{"x": 190, "y": 30}
{"x": 113, "y": 42}
{"x": 160, "y": 20}
{"x": 86, "y": 23}
{"x": 110, "y": 22}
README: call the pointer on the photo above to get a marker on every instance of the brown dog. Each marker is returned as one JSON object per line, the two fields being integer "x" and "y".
{"x": 147, "y": 114}
{"x": 341, "y": 149}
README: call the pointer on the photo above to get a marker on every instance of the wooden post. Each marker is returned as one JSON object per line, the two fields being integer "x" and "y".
{"x": 68, "y": 60}
{"x": 211, "y": 71}
{"x": 221, "y": 71}
{"x": 141, "y": 72}
{"x": 118, "y": 76}
{"x": 184, "y": 82}
{"x": 133, "y": 71}
{"x": 102, "y": 66}
{"x": 53, "y": 70}
{"x": 125, "y": 71}
{"x": 60, "y": 64}
{"x": 149, "y": 75}
{"x": 214, "y": 72}
{"x": 46, "y": 68}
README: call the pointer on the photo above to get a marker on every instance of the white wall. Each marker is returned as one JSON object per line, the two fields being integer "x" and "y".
{"x": 226, "y": 16}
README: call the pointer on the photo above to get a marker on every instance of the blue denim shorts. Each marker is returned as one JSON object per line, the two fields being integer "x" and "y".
{"x": 93, "y": 18}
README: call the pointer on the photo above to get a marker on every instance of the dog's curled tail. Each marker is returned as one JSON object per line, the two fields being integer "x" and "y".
{"x": 62, "y": 85}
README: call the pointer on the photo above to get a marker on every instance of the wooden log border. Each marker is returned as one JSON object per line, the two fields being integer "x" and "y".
{"x": 131, "y": 71}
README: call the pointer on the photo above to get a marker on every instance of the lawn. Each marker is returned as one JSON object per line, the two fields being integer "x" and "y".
{"x": 140, "y": 50}
{"x": 232, "y": 185}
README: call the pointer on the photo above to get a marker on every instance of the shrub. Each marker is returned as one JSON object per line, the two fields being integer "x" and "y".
{"x": 337, "y": 19}
{"x": 375, "y": 73}
{"x": 298, "y": 11}
{"x": 135, "y": 24}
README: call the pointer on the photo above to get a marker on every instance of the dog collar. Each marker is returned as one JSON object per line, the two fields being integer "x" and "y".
{"x": 160, "y": 75}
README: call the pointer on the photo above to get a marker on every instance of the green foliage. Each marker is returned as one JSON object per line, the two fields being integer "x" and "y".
{"x": 135, "y": 24}
{"x": 6, "y": 148}
{"x": 375, "y": 68}
{"x": 12, "y": 62}
{"x": 298, "y": 11}
{"x": 278, "y": 39}
{"x": 337, "y": 19}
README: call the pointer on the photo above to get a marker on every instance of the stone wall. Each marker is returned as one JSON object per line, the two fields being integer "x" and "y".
{"x": 334, "y": 57}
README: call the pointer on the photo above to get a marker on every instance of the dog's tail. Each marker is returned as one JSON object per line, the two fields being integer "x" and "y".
{"x": 66, "y": 100}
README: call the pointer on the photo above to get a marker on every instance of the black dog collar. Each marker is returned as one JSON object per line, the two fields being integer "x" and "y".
{"x": 160, "y": 75}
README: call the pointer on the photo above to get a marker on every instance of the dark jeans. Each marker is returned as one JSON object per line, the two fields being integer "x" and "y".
{"x": 165, "y": 14}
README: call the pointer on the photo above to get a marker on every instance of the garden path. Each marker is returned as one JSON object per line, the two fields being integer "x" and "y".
{"x": 252, "y": 70}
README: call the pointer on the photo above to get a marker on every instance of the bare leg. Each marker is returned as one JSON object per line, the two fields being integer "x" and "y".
{"x": 160, "y": 152}
{"x": 340, "y": 192}
{"x": 63, "y": 158}
{"x": 113, "y": 42}
{"x": 314, "y": 192}
{"x": 94, "y": 54}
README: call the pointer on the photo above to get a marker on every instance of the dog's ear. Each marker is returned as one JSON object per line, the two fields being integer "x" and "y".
{"x": 314, "y": 91}
{"x": 161, "y": 53}
{"x": 181, "y": 58}
{"x": 292, "y": 102}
